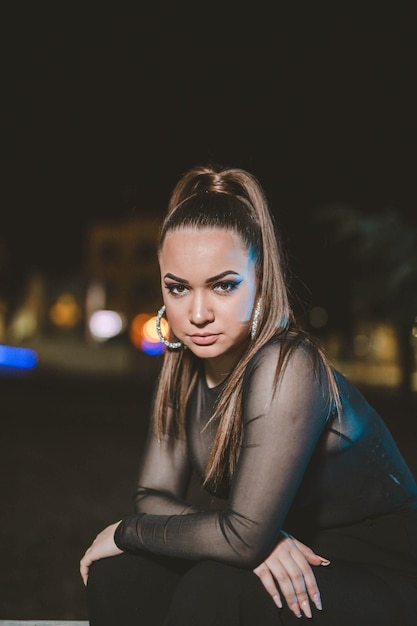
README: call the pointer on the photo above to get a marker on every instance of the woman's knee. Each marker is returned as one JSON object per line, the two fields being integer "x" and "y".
{"x": 124, "y": 587}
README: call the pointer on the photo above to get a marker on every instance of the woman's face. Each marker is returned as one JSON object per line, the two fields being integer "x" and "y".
{"x": 209, "y": 289}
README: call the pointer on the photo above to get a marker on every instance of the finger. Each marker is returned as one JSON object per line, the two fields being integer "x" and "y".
{"x": 264, "y": 574}
{"x": 299, "y": 552}
{"x": 294, "y": 575}
{"x": 290, "y": 579}
{"x": 84, "y": 574}
{"x": 296, "y": 580}
{"x": 304, "y": 582}
{"x": 310, "y": 555}
{"x": 288, "y": 582}
{"x": 84, "y": 568}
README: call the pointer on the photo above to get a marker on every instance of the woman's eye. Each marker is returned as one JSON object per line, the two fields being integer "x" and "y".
{"x": 176, "y": 290}
{"x": 225, "y": 286}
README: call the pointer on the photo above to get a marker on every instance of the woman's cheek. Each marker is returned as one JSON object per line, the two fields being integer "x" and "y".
{"x": 173, "y": 318}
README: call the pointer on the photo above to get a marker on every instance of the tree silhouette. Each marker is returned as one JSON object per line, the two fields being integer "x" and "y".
{"x": 382, "y": 251}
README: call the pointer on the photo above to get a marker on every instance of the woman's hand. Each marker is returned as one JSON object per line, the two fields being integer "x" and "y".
{"x": 289, "y": 566}
{"x": 102, "y": 547}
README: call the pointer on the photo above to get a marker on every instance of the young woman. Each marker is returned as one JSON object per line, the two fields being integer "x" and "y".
{"x": 303, "y": 465}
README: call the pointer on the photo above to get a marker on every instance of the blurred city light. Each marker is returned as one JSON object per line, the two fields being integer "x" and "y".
{"x": 361, "y": 344}
{"x": 144, "y": 336}
{"x": 104, "y": 325}
{"x": 21, "y": 358}
{"x": 136, "y": 329}
{"x": 23, "y": 325}
{"x": 26, "y": 318}
{"x": 153, "y": 348}
{"x": 149, "y": 329}
{"x": 65, "y": 312}
{"x": 414, "y": 329}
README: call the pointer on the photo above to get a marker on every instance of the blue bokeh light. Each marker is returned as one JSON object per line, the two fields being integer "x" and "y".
{"x": 21, "y": 358}
{"x": 152, "y": 348}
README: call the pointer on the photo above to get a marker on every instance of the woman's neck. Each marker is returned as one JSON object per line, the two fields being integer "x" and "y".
{"x": 219, "y": 368}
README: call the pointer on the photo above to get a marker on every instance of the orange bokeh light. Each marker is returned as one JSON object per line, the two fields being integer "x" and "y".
{"x": 149, "y": 329}
{"x": 143, "y": 328}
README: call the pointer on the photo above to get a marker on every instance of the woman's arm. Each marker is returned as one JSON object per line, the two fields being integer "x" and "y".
{"x": 281, "y": 431}
{"x": 163, "y": 477}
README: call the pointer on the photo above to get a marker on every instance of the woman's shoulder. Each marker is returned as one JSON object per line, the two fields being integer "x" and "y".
{"x": 294, "y": 346}
{"x": 292, "y": 341}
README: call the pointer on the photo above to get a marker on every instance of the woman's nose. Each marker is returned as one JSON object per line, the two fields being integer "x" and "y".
{"x": 201, "y": 311}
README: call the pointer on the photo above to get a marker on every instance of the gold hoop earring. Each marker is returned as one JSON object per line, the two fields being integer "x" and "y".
{"x": 255, "y": 319}
{"x": 172, "y": 345}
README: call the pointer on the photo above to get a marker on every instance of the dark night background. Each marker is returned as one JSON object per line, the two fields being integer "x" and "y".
{"x": 106, "y": 109}
{"x": 103, "y": 110}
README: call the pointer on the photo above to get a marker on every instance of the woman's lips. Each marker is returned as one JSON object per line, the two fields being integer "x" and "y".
{"x": 204, "y": 340}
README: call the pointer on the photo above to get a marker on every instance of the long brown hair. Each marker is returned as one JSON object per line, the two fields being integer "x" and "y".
{"x": 232, "y": 199}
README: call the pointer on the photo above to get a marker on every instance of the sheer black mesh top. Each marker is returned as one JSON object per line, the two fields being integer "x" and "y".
{"x": 297, "y": 470}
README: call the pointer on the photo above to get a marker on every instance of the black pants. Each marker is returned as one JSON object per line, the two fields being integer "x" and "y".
{"x": 144, "y": 590}
{"x": 372, "y": 581}
{"x": 132, "y": 590}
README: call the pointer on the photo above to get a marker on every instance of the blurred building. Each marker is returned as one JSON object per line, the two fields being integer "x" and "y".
{"x": 121, "y": 261}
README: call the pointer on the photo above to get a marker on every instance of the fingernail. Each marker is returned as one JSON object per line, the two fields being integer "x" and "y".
{"x": 277, "y": 601}
{"x": 324, "y": 562}
{"x": 306, "y": 608}
{"x": 296, "y": 609}
{"x": 317, "y": 601}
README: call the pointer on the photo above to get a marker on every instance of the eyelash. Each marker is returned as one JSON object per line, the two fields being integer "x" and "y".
{"x": 231, "y": 287}
{"x": 171, "y": 289}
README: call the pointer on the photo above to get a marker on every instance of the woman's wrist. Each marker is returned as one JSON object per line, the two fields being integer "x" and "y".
{"x": 127, "y": 533}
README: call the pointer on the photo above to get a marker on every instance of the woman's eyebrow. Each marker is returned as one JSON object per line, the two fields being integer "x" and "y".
{"x": 177, "y": 279}
{"x": 212, "y": 279}
{"x": 220, "y": 276}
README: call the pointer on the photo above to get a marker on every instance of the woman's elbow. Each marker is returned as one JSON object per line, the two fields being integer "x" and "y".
{"x": 247, "y": 539}
{"x": 249, "y": 556}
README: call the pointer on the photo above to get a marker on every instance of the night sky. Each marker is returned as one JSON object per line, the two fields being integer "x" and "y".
{"x": 105, "y": 110}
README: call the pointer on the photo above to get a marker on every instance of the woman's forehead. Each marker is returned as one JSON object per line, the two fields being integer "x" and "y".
{"x": 210, "y": 249}
{"x": 201, "y": 236}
